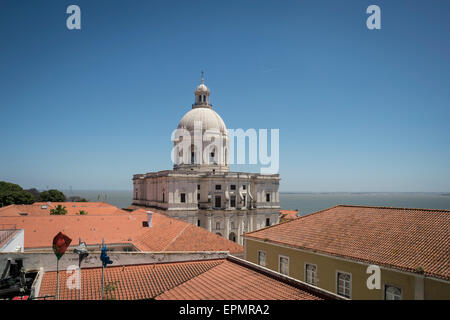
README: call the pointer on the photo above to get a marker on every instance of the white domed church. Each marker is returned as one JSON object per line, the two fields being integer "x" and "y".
{"x": 201, "y": 189}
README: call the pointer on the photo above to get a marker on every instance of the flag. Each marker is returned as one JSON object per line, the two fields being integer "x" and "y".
{"x": 105, "y": 259}
{"x": 82, "y": 252}
{"x": 60, "y": 244}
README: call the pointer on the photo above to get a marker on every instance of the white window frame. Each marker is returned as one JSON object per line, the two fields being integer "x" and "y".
{"x": 337, "y": 282}
{"x": 279, "y": 264}
{"x": 265, "y": 262}
{"x": 306, "y": 273}
{"x": 392, "y": 285}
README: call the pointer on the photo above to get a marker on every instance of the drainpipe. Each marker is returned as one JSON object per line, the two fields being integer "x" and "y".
{"x": 419, "y": 287}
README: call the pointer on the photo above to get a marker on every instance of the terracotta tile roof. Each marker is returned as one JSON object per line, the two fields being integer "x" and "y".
{"x": 132, "y": 282}
{"x": 402, "y": 238}
{"x": 230, "y": 281}
{"x": 116, "y": 227}
{"x": 286, "y": 215}
{"x": 73, "y": 208}
{"x": 40, "y": 230}
{"x": 169, "y": 234}
{"x": 203, "y": 279}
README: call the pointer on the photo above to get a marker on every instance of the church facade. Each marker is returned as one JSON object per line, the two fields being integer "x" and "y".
{"x": 201, "y": 189}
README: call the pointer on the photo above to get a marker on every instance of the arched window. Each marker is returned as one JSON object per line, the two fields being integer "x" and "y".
{"x": 212, "y": 156}
{"x": 193, "y": 158}
{"x": 392, "y": 293}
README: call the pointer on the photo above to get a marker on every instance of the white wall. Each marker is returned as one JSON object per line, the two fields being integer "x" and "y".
{"x": 15, "y": 244}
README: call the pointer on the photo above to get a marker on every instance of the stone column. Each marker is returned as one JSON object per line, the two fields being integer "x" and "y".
{"x": 250, "y": 222}
{"x": 227, "y": 226}
{"x": 240, "y": 228}
{"x": 209, "y": 222}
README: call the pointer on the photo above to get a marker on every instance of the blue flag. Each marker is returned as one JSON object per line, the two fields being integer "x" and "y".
{"x": 105, "y": 259}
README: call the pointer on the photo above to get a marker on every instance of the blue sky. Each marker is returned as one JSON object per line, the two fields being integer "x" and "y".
{"x": 357, "y": 109}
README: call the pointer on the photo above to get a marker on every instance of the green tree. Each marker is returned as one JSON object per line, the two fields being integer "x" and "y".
{"x": 16, "y": 197}
{"x": 52, "y": 195}
{"x": 59, "y": 210}
{"x": 83, "y": 213}
{"x": 9, "y": 187}
{"x": 76, "y": 199}
{"x": 34, "y": 192}
{"x": 11, "y": 193}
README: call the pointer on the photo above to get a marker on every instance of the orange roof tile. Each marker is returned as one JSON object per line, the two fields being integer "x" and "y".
{"x": 40, "y": 230}
{"x": 73, "y": 208}
{"x": 132, "y": 282}
{"x": 406, "y": 239}
{"x": 288, "y": 215}
{"x": 203, "y": 279}
{"x": 169, "y": 234}
{"x": 115, "y": 226}
{"x": 230, "y": 281}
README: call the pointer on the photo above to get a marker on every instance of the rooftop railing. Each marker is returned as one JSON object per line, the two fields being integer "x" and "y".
{"x": 5, "y": 234}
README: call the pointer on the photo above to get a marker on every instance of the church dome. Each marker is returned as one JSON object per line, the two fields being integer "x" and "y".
{"x": 208, "y": 117}
{"x": 207, "y": 150}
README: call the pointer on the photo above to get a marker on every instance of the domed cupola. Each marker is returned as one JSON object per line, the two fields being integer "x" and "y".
{"x": 207, "y": 151}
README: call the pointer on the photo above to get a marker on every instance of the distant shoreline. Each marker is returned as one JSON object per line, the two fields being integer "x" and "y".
{"x": 285, "y": 192}
{"x": 306, "y": 202}
{"x": 362, "y": 193}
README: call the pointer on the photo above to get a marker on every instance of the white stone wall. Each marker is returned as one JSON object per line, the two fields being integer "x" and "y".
{"x": 15, "y": 244}
{"x": 249, "y": 213}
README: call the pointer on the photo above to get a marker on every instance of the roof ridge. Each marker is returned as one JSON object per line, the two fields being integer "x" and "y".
{"x": 345, "y": 205}
{"x": 387, "y": 207}
{"x": 176, "y": 237}
{"x": 290, "y": 221}
{"x": 9, "y": 205}
{"x": 191, "y": 278}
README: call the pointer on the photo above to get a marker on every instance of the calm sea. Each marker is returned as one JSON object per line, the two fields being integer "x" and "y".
{"x": 306, "y": 202}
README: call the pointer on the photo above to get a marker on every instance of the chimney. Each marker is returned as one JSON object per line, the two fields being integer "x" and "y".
{"x": 149, "y": 218}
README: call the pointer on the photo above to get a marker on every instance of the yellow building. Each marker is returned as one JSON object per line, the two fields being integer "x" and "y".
{"x": 361, "y": 252}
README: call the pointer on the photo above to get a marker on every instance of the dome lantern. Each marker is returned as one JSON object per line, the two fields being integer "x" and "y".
{"x": 202, "y": 95}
